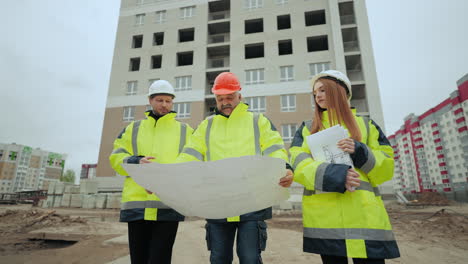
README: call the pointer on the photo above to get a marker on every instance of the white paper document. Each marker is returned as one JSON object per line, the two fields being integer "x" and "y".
{"x": 215, "y": 189}
{"x": 323, "y": 146}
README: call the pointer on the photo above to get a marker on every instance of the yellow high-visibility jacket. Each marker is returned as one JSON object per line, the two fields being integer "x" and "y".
{"x": 243, "y": 133}
{"x": 338, "y": 222}
{"x": 163, "y": 139}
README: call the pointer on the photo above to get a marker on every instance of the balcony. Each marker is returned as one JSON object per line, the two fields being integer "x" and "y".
{"x": 218, "y": 32}
{"x": 348, "y": 20}
{"x": 346, "y": 10}
{"x": 350, "y": 39}
{"x": 218, "y": 38}
{"x": 355, "y": 75}
{"x": 361, "y": 105}
{"x": 354, "y": 68}
{"x": 217, "y": 57}
{"x": 220, "y": 62}
{"x": 210, "y": 106}
{"x": 219, "y": 15}
{"x": 350, "y": 46}
{"x": 359, "y": 91}
{"x": 218, "y": 10}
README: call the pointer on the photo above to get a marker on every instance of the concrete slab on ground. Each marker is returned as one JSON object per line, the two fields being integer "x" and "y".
{"x": 49, "y": 202}
{"x": 66, "y": 198}
{"x": 57, "y": 201}
{"x": 110, "y": 184}
{"x": 59, "y": 188}
{"x": 76, "y": 200}
{"x": 113, "y": 200}
{"x": 89, "y": 201}
{"x": 51, "y": 188}
{"x": 101, "y": 199}
{"x": 88, "y": 187}
{"x": 72, "y": 189}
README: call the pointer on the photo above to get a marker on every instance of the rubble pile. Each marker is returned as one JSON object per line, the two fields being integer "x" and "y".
{"x": 19, "y": 221}
{"x": 432, "y": 198}
{"x": 442, "y": 224}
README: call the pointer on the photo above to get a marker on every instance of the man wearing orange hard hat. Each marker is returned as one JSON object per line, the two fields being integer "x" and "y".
{"x": 233, "y": 131}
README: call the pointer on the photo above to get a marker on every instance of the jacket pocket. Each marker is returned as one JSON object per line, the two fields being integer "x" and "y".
{"x": 262, "y": 235}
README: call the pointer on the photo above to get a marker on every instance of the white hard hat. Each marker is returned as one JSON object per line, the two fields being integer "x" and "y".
{"x": 161, "y": 87}
{"x": 334, "y": 74}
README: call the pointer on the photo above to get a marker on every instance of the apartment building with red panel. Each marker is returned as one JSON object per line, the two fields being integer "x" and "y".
{"x": 431, "y": 150}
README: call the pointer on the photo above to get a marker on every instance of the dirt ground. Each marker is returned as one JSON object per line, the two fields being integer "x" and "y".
{"x": 35, "y": 235}
{"x": 425, "y": 234}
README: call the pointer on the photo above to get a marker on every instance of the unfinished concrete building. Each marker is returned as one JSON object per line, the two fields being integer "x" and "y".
{"x": 273, "y": 46}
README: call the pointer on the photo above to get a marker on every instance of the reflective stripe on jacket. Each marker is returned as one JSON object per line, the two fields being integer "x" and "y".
{"x": 338, "y": 222}
{"x": 163, "y": 139}
{"x": 243, "y": 133}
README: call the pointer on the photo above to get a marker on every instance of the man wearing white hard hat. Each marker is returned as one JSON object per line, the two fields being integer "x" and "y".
{"x": 152, "y": 225}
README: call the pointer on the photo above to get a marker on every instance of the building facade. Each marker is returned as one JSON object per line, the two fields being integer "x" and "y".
{"x": 88, "y": 171}
{"x": 25, "y": 168}
{"x": 273, "y": 46}
{"x": 431, "y": 150}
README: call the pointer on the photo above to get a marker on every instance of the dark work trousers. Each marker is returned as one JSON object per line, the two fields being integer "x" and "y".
{"x": 151, "y": 241}
{"x": 251, "y": 241}
{"x": 344, "y": 260}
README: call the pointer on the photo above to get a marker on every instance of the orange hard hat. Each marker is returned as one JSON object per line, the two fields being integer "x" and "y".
{"x": 226, "y": 83}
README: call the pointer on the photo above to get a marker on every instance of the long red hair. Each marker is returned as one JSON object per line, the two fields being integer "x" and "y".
{"x": 338, "y": 109}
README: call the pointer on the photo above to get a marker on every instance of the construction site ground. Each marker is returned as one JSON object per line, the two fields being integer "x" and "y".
{"x": 425, "y": 234}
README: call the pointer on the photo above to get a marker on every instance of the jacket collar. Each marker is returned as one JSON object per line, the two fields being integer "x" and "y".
{"x": 325, "y": 114}
{"x": 150, "y": 114}
{"x": 240, "y": 108}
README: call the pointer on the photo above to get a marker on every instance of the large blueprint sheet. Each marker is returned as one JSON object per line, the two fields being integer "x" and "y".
{"x": 216, "y": 189}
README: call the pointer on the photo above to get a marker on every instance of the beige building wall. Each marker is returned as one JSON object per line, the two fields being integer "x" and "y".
{"x": 7, "y": 170}
{"x": 7, "y": 173}
{"x": 349, "y": 50}
{"x": 35, "y": 162}
{"x": 53, "y": 173}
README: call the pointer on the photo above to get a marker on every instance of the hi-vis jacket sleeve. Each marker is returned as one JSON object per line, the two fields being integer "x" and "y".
{"x": 123, "y": 152}
{"x": 376, "y": 158}
{"x": 271, "y": 142}
{"x": 312, "y": 174}
{"x": 195, "y": 149}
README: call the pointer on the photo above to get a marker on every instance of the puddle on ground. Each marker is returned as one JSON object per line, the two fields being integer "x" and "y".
{"x": 35, "y": 244}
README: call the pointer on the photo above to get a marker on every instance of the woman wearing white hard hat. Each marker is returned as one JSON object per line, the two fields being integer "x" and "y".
{"x": 343, "y": 213}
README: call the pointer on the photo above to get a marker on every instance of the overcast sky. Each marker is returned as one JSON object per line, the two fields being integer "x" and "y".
{"x": 56, "y": 56}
